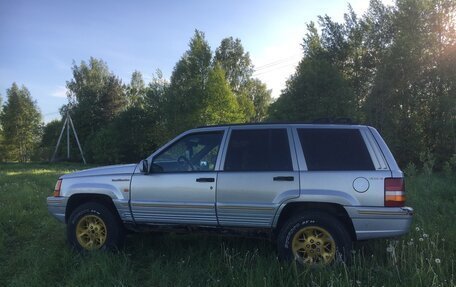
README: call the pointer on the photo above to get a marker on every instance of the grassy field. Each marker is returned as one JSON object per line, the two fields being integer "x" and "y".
{"x": 33, "y": 251}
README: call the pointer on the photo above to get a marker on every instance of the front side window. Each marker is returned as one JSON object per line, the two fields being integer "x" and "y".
{"x": 193, "y": 152}
{"x": 258, "y": 150}
{"x": 334, "y": 150}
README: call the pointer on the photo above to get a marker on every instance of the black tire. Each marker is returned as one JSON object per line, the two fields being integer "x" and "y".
{"x": 314, "y": 221}
{"x": 105, "y": 224}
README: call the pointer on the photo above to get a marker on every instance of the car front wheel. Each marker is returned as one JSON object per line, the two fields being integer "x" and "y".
{"x": 93, "y": 226}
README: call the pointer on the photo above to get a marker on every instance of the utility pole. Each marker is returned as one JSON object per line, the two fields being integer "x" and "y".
{"x": 66, "y": 124}
{"x": 68, "y": 138}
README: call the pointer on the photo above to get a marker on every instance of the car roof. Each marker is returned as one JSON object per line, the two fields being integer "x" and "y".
{"x": 316, "y": 122}
{"x": 303, "y": 124}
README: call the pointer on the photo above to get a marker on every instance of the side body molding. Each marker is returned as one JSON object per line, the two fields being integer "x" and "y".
{"x": 324, "y": 196}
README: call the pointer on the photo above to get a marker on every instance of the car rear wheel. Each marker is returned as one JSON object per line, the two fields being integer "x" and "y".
{"x": 92, "y": 226}
{"x": 314, "y": 238}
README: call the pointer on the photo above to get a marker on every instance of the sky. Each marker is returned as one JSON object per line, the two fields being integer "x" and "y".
{"x": 39, "y": 40}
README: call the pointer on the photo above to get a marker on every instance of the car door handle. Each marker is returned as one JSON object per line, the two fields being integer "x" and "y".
{"x": 284, "y": 178}
{"x": 205, "y": 179}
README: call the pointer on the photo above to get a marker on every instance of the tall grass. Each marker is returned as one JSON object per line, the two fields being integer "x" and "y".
{"x": 33, "y": 251}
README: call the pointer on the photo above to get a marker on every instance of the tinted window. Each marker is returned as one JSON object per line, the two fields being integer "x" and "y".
{"x": 334, "y": 149}
{"x": 194, "y": 152}
{"x": 258, "y": 150}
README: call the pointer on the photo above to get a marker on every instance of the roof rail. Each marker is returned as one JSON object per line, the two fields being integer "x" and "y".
{"x": 330, "y": 120}
{"x": 338, "y": 121}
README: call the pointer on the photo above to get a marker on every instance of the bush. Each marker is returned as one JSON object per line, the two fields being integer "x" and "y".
{"x": 132, "y": 136}
{"x": 449, "y": 166}
{"x": 103, "y": 147}
{"x": 410, "y": 169}
{"x": 427, "y": 158}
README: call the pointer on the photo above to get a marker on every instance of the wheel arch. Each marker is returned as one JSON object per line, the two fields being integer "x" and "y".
{"x": 78, "y": 199}
{"x": 295, "y": 208}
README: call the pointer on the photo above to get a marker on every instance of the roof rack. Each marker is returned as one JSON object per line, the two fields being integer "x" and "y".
{"x": 340, "y": 121}
{"x": 333, "y": 121}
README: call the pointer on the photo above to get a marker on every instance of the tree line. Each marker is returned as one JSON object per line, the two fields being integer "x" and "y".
{"x": 394, "y": 68}
{"x": 119, "y": 122}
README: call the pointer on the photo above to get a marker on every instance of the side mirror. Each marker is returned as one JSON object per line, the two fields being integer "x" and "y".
{"x": 144, "y": 166}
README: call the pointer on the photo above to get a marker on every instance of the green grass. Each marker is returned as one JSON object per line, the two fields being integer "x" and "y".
{"x": 33, "y": 251}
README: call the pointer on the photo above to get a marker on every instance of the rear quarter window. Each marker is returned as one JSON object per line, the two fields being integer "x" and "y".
{"x": 334, "y": 150}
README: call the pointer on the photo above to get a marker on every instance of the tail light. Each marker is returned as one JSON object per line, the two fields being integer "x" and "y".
{"x": 58, "y": 185}
{"x": 394, "y": 192}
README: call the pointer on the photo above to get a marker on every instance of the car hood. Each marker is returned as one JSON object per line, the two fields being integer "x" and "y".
{"x": 121, "y": 169}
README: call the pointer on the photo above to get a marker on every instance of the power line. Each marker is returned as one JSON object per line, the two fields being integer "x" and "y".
{"x": 272, "y": 69}
{"x": 275, "y": 63}
{"x": 50, "y": 114}
{"x": 272, "y": 64}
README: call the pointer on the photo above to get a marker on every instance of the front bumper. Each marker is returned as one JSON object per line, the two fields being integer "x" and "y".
{"x": 378, "y": 222}
{"x": 57, "y": 206}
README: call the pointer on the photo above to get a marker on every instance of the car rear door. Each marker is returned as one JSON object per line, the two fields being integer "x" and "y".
{"x": 259, "y": 171}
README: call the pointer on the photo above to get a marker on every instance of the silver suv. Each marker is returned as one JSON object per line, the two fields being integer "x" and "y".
{"x": 313, "y": 188}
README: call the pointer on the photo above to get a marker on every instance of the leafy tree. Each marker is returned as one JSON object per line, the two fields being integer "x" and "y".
{"x": 235, "y": 62}
{"x": 252, "y": 96}
{"x": 2, "y": 152}
{"x": 100, "y": 148}
{"x": 317, "y": 89}
{"x": 155, "y": 104}
{"x": 112, "y": 99}
{"x": 156, "y": 95}
{"x": 392, "y": 68}
{"x": 260, "y": 97}
{"x": 136, "y": 135}
{"x": 439, "y": 73}
{"x": 21, "y": 122}
{"x": 51, "y": 132}
{"x": 188, "y": 82}
{"x": 410, "y": 100}
{"x": 246, "y": 105}
{"x": 378, "y": 32}
{"x": 136, "y": 90}
{"x": 220, "y": 105}
{"x": 198, "y": 90}
{"x": 443, "y": 110}
{"x": 136, "y": 132}
{"x": 96, "y": 97}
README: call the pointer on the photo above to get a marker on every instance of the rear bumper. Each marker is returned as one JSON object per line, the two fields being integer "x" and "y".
{"x": 56, "y": 206}
{"x": 378, "y": 222}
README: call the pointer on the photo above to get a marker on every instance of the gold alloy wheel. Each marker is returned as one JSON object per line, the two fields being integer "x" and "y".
{"x": 91, "y": 232}
{"x": 313, "y": 245}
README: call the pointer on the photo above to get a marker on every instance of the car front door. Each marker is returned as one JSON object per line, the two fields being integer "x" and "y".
{"x": 180, "y": 188}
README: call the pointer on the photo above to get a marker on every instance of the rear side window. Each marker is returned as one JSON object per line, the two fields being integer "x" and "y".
{"x": 334, "y": 149}
{"x": 258, "y": 150}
